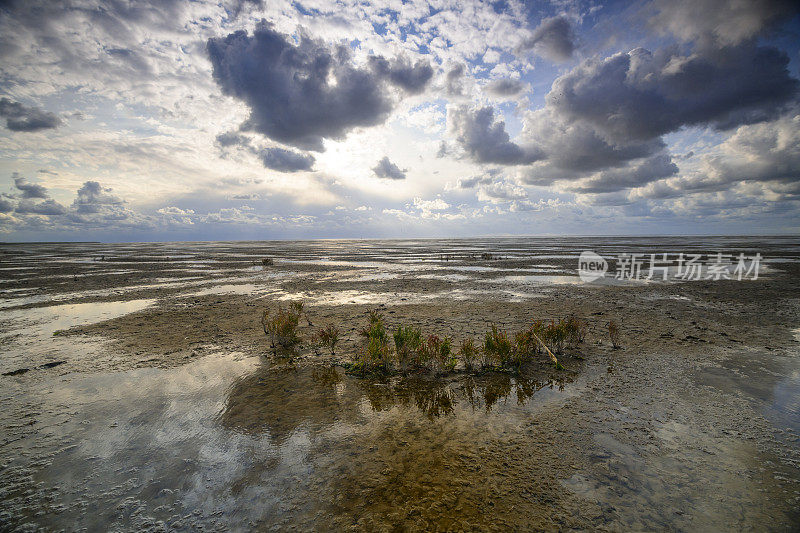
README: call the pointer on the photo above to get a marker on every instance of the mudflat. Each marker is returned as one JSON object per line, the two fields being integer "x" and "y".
{"x": 140, "y": 391}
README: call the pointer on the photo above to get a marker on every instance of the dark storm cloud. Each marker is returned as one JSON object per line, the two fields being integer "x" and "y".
{"x": 385, "y": 169}
{"x": 637, "y": 175}
{"x": 6, "y": 204}
{"x": 274, "y": 158}
{"x": 641, "y": 95}
{"x": 29, "y": 190}
{"x": 48, "y": 207}
{"x": 552, "y": 39}
{"x": 289, "y": 88}
{"x": 401, "y": 73}
{"x": 485, "y": 139}
{"x": 231, "y": 138}
{"x": 575, "y": 146}
{"x": 505, "y": 87}
{"x": 21, "y": 118}
{"x": 285, "y": 160}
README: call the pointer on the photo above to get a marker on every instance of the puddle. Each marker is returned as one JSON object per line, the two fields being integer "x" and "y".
{"x": 240, "y": 288}
{"x": 29, "y": 344}
{"x": 44, "y": 321}
{"x": 185, "y": 447}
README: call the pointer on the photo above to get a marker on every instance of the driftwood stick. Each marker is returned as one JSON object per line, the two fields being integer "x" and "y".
{"x": 553, "y": 357}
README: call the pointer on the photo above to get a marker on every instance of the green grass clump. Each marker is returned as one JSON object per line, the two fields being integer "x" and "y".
{"x": 497, "y": 347}
{"x": 576, "y": 329}
{"x": 468, "y": 354}
{"x": 375, "y": 356}
{"x": 555, "y": 334}
{"x": 407, "y": 343}
{"x": 282, "y": 326}
{"x": 406, "y": 349}
{"x": 437, "y": 352}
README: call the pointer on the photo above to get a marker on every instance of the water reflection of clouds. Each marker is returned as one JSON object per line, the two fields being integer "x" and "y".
{"x": 279, "y": 400}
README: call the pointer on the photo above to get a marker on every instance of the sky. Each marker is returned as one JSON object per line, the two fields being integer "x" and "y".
{"x": 175, "y": 120}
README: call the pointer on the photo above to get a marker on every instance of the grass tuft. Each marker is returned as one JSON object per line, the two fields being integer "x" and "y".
{"x": 614, "y": 334}
{"x": 329, "y": 336}
{"x": 468, "y": 354}
{"x": 407, "y": 343}
{"x": 497, "y": 347}
{"x": 282, "y": 326}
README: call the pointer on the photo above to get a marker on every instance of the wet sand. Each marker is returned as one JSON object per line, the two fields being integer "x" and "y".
{"x": 170, "y": 411}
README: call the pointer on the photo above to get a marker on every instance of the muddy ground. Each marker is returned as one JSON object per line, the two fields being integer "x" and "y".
{"x": 692, "y": 425}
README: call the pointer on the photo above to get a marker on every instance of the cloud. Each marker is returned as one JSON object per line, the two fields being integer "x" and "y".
{"x": 760, "y": 152}
{"x": 767, "y": 154}
{"x": 485, "y": 139}
{"x": 48, "y": 207}
{"x": 6, "y": 205}
{"x": 233, "y": 215}
{"x": 453, "y": 80}
{"x": 232, "y": 138}
{"x": 399, "y": 72}
{"x": 94, "y": 198}
{"x": 29, "y": 190}
{"x": 636, "y": 175}
{"x": 718, "y": 22}
{"x": 505, "y": 87}
{"x": 285, "y": 160}
{"x": 500, "y": 192}
{"x": 298, "y": 94}
{"x": 479, "y": 179}
{"x": 469, "y": 183}
{"x": 436, "y": 204}
{"x": 176, "y": 215}
{"x": 271, "y": 157}
{"x": 245, "y": 196}
{"x": 553, "y": 39}
{"x": 385, "y": 169}
{"x": 641, "y": 95}
{"x": 27, "y": 119}
{"x": 574, "y": 147}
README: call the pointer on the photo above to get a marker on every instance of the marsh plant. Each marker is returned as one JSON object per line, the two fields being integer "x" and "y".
{"x": 614, "y": 334}
{"x": 407, "y": 350}
{"x": 497, "y": 347}
{"x": 436, "y": 352}
{"x": 374, "y": 357}
{"x": 577, "y": 329}
{"x": 281, "y": 327}
{"x": 407, "y": 343}
{"x": 328, "y": 337}
{"x": 468, "y": 354}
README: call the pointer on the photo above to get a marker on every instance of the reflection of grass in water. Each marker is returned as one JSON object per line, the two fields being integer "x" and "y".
{"x": 279, "y": 400}
{"x": 436, "y": 398}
